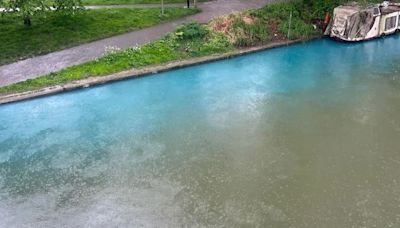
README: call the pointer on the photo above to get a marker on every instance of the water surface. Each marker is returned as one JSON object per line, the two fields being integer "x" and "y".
{"x": 303, "y": 136}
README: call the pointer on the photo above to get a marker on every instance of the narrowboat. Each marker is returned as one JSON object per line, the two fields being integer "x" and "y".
{"x": 354, "y": 22}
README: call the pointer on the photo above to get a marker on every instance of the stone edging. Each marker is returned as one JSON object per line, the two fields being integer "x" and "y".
{"x": 133, "y": 73}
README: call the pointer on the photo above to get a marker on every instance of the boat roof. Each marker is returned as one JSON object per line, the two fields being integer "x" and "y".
{"x": 350, "y": 9}
{"x": 390, "y": 9}
{"x": 354, "y": 7}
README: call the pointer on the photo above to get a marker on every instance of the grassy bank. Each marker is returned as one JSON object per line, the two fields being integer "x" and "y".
{"x": 234, "y": 31}
{"x": 53, "y": 31}
{"x": 121, "y": 2}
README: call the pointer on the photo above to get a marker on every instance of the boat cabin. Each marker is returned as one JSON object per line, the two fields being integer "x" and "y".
{"x": 354, "y": 22}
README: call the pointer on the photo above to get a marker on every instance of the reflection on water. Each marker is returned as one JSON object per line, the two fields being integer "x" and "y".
{"x": 302, "y": 136}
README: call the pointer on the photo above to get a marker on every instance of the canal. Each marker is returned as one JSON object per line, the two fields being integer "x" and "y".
{"x": 302, "y": 136}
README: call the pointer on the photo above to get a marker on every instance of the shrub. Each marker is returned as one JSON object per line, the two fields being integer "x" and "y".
{"x": 191, "y": 30}
{"x": 279, "y": 14}
{"x": 215, "y": 43}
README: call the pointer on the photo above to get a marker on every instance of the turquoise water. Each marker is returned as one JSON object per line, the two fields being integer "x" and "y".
{"x": 301, "y": 136}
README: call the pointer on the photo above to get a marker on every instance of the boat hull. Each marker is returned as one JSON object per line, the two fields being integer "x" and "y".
{"x": 339, "y": 39}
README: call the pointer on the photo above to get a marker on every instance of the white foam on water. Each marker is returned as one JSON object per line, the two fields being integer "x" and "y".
{"x": 153, "y": 206}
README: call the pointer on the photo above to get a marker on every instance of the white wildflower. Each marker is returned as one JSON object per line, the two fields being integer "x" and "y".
{"x": 111, "y": 50}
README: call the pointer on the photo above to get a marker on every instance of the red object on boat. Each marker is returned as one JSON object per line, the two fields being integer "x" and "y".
{"x": 327, "y": 19}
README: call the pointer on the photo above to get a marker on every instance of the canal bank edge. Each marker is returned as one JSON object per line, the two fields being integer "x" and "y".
{"x": 145, "y": 71}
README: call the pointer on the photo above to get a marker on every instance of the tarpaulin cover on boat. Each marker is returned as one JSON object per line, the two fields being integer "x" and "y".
{"x": 350, "y": 21}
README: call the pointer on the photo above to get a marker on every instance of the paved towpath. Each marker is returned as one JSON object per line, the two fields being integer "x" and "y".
{"x": 52, "y": 62}
{"x": 139, "y": 6}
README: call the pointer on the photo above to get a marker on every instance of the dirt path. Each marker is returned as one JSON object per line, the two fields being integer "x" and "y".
{"x": 45, "y": 64}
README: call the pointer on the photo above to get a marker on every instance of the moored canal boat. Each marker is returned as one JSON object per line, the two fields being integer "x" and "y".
{"x": 354, "y": 22}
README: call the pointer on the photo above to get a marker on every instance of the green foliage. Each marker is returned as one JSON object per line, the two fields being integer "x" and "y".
{"x": 215, "y": 43}
{"x": 280, "y": 14}
{"x": 199, "y": 43}
{"x": 277, "y": 12}
{"x": 191, "y": 30}
{"x": 318, "y": 8}
{"x": 152, "y": 53}
{"x": 53, "y": 30}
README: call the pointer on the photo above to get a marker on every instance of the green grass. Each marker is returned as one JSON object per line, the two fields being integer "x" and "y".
{"x": 52, "y": 31}
{"x": 121, "y": 2}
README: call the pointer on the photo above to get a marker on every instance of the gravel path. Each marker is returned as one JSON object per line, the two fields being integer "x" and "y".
{"x": 52, "y": 62}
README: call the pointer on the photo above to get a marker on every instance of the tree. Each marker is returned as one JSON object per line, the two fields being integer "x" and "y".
{"x": 28, "y": 8}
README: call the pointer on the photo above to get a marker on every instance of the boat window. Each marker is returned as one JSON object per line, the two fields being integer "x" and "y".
{"x": 399, "y": 21}
{"x": 376, "y": 11}
{"x": 390, "y": 23}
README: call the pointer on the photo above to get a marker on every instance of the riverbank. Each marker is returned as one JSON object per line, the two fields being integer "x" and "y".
{"x": 134, "y": 73}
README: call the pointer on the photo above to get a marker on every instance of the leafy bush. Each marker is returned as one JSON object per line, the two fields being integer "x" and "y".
{"x": 215, "y": 43}
{"x": 280, "y": 14}
{"x": 191, "y": 30}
